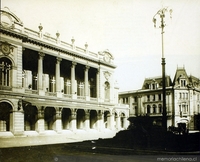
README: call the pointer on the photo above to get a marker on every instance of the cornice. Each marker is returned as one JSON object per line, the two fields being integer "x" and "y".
{"x": 26, "y": 39}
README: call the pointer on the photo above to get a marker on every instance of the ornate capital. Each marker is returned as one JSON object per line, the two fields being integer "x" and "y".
{"x": 58, "y": 59}
{"x": 87, "y": 68}
{"x": 74, "y": 64}
{"x": 41, "y": 55}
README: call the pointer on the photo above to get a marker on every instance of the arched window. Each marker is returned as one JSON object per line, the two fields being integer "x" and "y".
{"x": 5, "y": 71}
{"x": 107, "y": 90}
{"x": 148, "y": 109}
{"x": 136, "y": 110}
{"x": 154, "y": 109}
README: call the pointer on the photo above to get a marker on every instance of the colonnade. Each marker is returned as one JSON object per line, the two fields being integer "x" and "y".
{"x": 40, "y": 77}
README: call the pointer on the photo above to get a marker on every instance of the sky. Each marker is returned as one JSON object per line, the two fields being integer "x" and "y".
{"x": 126, "y": 29}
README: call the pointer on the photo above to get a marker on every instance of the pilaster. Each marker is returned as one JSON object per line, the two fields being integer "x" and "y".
{"x": 17, "y": 119}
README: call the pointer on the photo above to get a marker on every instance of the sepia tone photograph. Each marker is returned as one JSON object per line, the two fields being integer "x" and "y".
{"x": 99, "y": 80}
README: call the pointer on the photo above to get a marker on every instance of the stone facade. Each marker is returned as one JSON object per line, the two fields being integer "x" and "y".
{"x": 182, "y": 99}
{"x": 47, "y": 84}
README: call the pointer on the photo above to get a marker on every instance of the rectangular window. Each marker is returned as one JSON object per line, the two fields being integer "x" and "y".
{"x": 183, "y": 83}
{"x": 135, "y": 99}
{"x": 160, "y": 97}
{"x": 180, "y": 110}
{"x": 184, "y": 108}
{"x": 186, "y": 96}
{"x": 148, "y": 97}
{"x": 126, "y": 100}
{"x": 153, "y": 86}
{"x": 154, "y": 97}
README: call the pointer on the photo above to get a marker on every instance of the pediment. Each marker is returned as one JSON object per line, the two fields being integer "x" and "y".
{"x": 8, "y": 19}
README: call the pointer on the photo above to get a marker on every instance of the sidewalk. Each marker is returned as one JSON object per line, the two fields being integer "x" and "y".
{"x": 31, "y": 138}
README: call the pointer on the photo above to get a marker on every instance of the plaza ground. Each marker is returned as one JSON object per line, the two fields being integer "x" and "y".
{"x": 31, "y": 138}
{"x": 78, "y": 147}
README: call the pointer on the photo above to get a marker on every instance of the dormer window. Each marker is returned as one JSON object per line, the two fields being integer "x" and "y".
{"x": 183, "y": 82}
{"x": 153, "y": 86}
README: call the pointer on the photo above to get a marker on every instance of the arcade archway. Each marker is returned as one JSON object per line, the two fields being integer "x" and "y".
{"x": 66, "y": 114}
{"x": 80, "y": 119}
{"x": 49, "y": 117}
{"x": 30, "y": 117}
{"x": 93, "y": 119}
{"x": 5, "y": 109}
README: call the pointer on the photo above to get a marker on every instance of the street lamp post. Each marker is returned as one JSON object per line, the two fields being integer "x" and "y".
{"x": 161, "y": 14}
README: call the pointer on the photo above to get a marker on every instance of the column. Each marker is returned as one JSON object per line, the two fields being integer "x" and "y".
{"x": 87, "y": 119}
{"x": 73, "y": 82}
{"x": 39, "y": 125}
{"x": 118, "y": 122}
{"x": 112, "y": 115}
{"x": 40, "y": 73}
{"x": 97, "y": 84}
{"x": 58, "y": 90}
{"x": 126, "y": 123}
{"x": 86, "y": 82}
{"x": 17, "y": 119}
{"x": 73, "y": 120}
{"x": 57, "y": 125}
{"x": 100, "y": 122}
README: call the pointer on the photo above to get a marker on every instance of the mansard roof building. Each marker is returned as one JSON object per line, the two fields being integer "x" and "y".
{"x": 182, "y": 99}
{"x": 48, "y": 85}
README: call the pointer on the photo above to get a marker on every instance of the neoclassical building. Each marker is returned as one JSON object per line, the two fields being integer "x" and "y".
{"x": 182, "y": 99}
{"x": 47, "y": 84}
